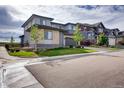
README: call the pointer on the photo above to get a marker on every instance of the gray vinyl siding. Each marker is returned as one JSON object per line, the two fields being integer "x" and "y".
{"x": 39, "y": 21}
{"x": 26, "y": 37}
{"x": 57, "y": 26}
{"x": 48, "y": 46}
{"x": 70, "y": 41}
{"x": 85, "y": 34}
{"x": 61, "y": 39}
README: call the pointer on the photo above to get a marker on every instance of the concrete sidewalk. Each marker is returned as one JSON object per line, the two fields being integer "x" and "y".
{"x": 15, "y": 75}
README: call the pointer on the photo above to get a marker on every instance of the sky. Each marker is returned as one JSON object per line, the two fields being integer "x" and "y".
{"x": 12, "y": 17}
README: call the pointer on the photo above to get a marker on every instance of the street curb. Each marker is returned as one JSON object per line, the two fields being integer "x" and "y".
{"x": 65, "y": 57}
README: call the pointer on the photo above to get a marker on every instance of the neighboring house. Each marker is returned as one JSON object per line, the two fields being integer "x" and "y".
{"x": 117, "y": 40}
{"x": 60, "y": 35}
{"x": 69, "y": 30}
{"x": 91, "y": 31}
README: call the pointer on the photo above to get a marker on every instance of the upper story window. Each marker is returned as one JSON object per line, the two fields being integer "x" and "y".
{"x": 100, "y": 30}
{"x": 48, "y": 35}
{"x": 41, "y": 21}
{"x": 44, "y": 22}
{"x": 69, "y": 27}
{"x": 73, "y": 27}
{"x": 90, "y": 35}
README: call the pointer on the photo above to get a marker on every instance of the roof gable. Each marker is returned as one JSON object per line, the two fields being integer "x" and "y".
{"x": 100, "y": 24}
{"x": 33, "y": 16}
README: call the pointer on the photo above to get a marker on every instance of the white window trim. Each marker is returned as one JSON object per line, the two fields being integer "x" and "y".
{"x": 44, "y": 22}
{"x": 48, "y": 35}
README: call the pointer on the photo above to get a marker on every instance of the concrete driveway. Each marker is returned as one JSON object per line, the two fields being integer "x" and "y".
{"x": 105, "y": 71}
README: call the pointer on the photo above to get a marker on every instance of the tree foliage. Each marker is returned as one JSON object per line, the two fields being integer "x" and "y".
{"x": 36, "y": 35}
{"x": 77, "y": 36}
{"x": 102, "y": 39}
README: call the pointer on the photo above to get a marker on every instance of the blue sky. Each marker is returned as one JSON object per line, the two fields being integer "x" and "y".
{"x": 12, "y": 17}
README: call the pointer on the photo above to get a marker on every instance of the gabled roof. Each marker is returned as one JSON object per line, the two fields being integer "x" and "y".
{"x": 47, "y": 27}
{"x": 70, "y": 23}
{"x": 34, "y": 15}
{"x": 97, "y": 24}
{"x": 92, "y": 25}
{"x": 57, "y": 23}
{"x": 85, "y": 24}
{"x": 121, "y": 32}
{"x": 115, "y": 29}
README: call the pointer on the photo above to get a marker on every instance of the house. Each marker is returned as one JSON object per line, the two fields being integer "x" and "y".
{"x": 60, "y": 35}
{"x": 69, "y": 30}
{"x": 117, "y": 40}
{"x": 91, "y": 31}
{"x": 53, "y": 32}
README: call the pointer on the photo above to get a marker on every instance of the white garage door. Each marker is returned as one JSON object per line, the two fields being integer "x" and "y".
{"x": 112, "y": 41}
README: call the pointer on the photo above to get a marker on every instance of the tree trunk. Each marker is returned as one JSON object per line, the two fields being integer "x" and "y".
{"x": 78, "y": 43}
{"x": 35, "y": 46}
{"x": 116, "y": 41}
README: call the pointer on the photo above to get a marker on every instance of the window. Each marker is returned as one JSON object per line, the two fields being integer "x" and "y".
{"x": 90, "y": 35}
{"x": 48, "y": 35}
{"x": 70, "y": 27}
{"x": 41, "y": 21}
{"x": 44, "y": 22}
{"x": 73, "y": 27}
{"x": 100, "y": 30}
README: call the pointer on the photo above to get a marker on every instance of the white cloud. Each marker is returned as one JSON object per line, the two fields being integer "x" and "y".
{"x": 16, "y": 30}
{"x": 64, "y": 14}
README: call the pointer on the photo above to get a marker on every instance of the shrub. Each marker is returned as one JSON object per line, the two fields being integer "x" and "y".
{"x": 86, "y": 43}
{"x": 78, "y": 46}
{"x": 7, "y": 47}
{"x": 82, "y": 46}
{"x": 102, "y": 39}
{"x": 121, "y": 42}
{"x": 12, "y": 50}
{"x": 17, "y": 50}
{"x": 112, "y": 46}
{"x": 70, "y": 46}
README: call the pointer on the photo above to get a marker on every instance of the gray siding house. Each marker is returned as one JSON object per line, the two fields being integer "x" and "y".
{"x": 53, "y": 33}
{"x": 60, "y": 35}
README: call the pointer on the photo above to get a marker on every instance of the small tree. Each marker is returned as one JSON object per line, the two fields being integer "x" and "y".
{"x": 36, "y": 35}
{"x": 102, "y": 39}
{"x": 77, "y": 36}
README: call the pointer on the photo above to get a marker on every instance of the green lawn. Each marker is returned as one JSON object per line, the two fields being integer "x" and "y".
{"x": 52, "y": 52}
{"x": 114, "y": 49}
{"x": 64, "y": 51}
{"x": 23, "y": 54}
